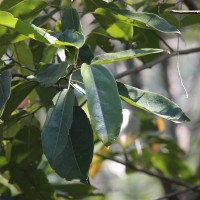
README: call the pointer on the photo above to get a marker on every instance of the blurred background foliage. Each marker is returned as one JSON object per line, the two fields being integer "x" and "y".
{"x": 152, "y": 156}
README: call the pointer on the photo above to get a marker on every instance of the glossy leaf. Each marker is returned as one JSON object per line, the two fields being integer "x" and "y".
{"x": 5, "y": 85}
{"x": 70, "y": 38}
{"x": 80, "y": 146}
{"x": 103, "y": 102}
{"x": 152, "y": 102}
{"x": 114, "y": 27}
{"x": 141, "y": 20}
{"x": 123, "y": 55}
{"x": 50, "y": 74}
{"x": 85, "y": 55}
{"x": 56, "y": 128}
{"x": 8, "y": 20}
{"x": 23, "y": 9}
{"x": 18, "y": 94}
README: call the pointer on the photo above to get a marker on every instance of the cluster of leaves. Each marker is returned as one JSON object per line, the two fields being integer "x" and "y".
{"x": 49, "y": 63}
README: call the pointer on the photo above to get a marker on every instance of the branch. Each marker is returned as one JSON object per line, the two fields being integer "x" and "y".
{"x": 138, "y": 169}
{"x": 185, "y": 11}
{"x": 152, "y": 63}
{"x": 18, "y": 75}
{"x": 176, "y": 193}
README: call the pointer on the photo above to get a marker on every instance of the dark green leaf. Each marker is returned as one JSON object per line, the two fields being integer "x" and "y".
{"x": 99, "y": 37}
{"x": 81, "y": 147}
{"x": 18, "y": 94}
{"x": 85, "y": 55}
{"x": 152, "y": 102}
{"x": 46, "y": 95}
{"x": 56, "y": 130}
{"x": 34, "y": 185}
{"x": 50, "y": 74}
{"x": 141, "y": 20}
{"x": 76, "y": 190}
{"x": 70, "y": 36}
{"x": 5, "y": 85}
{"x": 27, "y": 149}
{"x": 123, "y": 55}
{"x": 103, "y": 102}
{"x": 70, "y": 20}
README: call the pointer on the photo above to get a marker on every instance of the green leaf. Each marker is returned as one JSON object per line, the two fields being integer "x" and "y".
{"x": 189, "y": 20}
{"x": 114, "y": 27}
{"x": 50, "y": 74}
{"x": 27, "y": 149}
{"x": 34, "y": 185}
{"x": 163, "y": 162}
{"x": 70, "y": 38}
{"x": 18, "y": 94}
{"x": 91, "y": 5}
{"x": 75, "y": 190}
{"x": 99, "y": 37}
{"x": 5, "y": 85}
{"x": 85, "y": 55}
{"x": 70, "y": 20}
{"x": 22, "y": 8}
{"x": 56, "y": 128}
{"x": 4, "y": 192}
{"x": 141, "y": 20}
{"x": 25, "y": 58}
{"x": 123, "y": 55}
{"x": 80, "y": 145}
{"x": 152, "y": 102}
{"x": 11, "y": 37}
{"x": 103, "y": 102}
{"x": 46, "y": 95}
{"x": 8, "y": 20}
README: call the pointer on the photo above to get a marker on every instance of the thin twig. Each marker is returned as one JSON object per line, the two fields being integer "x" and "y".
{"x": 185, "y": 11}
{"x": 18, "y": 75}
{"x": 164, "y": 42}
{"x": 176, "y": 193}
{"x": 138, "y": 169}
{"x": 152, "y": 63}
{"x": 18, "y": 63}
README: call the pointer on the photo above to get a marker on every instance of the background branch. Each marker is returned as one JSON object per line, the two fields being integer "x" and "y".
{"x": 152, "y": 63}
{"x": 138, "y": 169}
{"x": 185, "y": 11}
{"x": 176, "y": 193}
